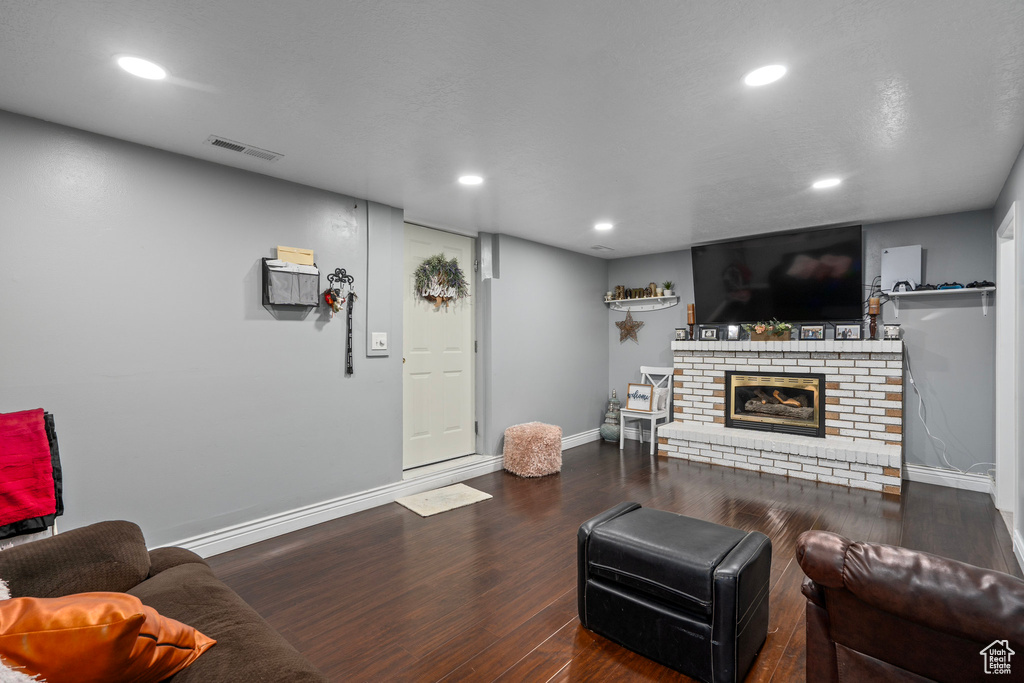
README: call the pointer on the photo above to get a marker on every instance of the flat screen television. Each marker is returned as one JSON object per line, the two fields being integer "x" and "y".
{"x": 805, "y": 276}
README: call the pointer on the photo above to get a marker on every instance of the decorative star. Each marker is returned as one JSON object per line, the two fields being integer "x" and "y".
{"x": 628, "y": 328}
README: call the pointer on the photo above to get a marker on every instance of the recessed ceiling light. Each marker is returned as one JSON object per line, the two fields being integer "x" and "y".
{"x": 142, "y": 68}
{"x": 825, "y": 183}
{"x": 765, "y": 75}
{"x": 603, "y": 226}
{"x": 471, "y": 180}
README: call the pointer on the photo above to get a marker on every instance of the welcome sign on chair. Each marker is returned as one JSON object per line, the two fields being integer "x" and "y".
{"x": 648, "y": 401}
{"x": 638, "y": 396}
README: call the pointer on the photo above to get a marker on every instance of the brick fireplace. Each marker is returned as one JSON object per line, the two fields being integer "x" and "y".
{"x": 858, "y": 433}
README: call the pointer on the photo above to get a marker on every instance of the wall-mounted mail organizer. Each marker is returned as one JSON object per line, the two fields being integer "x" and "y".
{"x": 290, "y": 284}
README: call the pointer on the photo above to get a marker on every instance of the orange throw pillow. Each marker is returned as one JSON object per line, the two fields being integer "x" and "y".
{"x": 101, "y": 637}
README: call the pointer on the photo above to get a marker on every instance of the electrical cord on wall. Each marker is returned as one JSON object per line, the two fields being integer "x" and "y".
{"x": 874, "y": 291}
{"x": 920, "y": 413}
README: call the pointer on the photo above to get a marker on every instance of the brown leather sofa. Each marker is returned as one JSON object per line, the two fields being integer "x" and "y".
{"x": 112, "y": 556}
{"x": 881, "y": 613}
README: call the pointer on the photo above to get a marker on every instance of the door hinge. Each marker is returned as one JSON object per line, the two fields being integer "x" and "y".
{"x": 476, "y": 428}
{"x": 476, "y": 346}
{"x": 476, "y": 265}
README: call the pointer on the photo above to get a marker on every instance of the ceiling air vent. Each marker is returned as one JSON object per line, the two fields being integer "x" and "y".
{"x": 249, "y": 150}
{"x": 601, "y": 247}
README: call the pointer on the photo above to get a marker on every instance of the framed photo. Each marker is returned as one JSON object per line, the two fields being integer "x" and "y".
{"x": 682, "y": 334}
{"x": 638, "y": 396}
{"x": 812, "y": 332}
{"x": 851, "y": 331}
{"x": 732, "y": 333}
{"x": 709, "y": 334}
{"x": 891, "y": 331}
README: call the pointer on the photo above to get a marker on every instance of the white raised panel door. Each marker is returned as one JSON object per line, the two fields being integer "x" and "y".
{"x": 437, "y": 345}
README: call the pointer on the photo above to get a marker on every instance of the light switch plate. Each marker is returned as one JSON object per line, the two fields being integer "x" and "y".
{"x": 379, "y": 341}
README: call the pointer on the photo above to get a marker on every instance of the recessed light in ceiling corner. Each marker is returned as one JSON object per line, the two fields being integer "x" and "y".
{"x": 825, "y": 183}
{"x": 601, "y": 247}
{"x": 471, "y": 180}
{"x": 765, "y": 75}
{"x": 603, "y": 226}
{"x": 143, "y": 68}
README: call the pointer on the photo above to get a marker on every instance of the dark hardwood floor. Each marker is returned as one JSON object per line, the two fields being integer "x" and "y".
{"x": 488, "y": 592}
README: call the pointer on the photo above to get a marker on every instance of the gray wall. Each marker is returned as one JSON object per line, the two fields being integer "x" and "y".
{"x": 950, "y": 344}
{"x": 545, "y": 337}
{"x": 130, "y": 308}
{"x": 653, "y": 345}
{"x": 1013, "y": 190}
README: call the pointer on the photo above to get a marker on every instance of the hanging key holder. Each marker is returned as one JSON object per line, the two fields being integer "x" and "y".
{"x": 341, "y": 286}
{"x": 342, "y": 294}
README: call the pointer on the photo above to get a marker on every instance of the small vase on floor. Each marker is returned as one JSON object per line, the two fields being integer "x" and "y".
{"x": 610, "y": 429}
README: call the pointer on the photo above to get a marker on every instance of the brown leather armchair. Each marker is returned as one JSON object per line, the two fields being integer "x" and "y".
{"x": 881, "y": 613}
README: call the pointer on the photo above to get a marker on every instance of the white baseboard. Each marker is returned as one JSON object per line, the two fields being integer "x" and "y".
{"x": 239, "y": 535}
{"x": 633, "y": 433}
{"x": 942, "y": 477}
{"x": 1018, "y": 548}
{"x": 1007, "y": 518}
{"x": 579, "y": 439}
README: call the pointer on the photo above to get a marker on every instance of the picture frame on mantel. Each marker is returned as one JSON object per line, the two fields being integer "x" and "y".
{"x": 847, "y": 332}
{"x": 638, "y": 396}
{"x": 812, "y": 332}
{"x": 708, "y": 333}
{"x": 732, "y": 333}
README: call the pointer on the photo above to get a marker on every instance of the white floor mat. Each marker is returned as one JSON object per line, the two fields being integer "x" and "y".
{"x": 441, "y": 500}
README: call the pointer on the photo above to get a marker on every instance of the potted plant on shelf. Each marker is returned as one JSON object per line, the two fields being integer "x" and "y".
{"x": 772, "y": 330}
{"x": 668, "y": 285}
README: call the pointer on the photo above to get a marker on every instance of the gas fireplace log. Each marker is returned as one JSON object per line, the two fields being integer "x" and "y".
{"x": 778, "y": 410}
{"x": 782, "y": 398}
{"x": 765, "y": 398}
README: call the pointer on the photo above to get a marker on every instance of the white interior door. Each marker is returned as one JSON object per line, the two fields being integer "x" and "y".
{"x": 438, "y": 417}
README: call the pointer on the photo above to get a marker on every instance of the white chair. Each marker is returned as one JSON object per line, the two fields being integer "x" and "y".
{"x": 661, "y": 380}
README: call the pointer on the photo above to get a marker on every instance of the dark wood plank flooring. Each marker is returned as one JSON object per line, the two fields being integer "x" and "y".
{"x": 488, "y": 592}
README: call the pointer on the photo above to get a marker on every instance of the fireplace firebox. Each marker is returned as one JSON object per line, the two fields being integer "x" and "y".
{"x": 793, "y": 403}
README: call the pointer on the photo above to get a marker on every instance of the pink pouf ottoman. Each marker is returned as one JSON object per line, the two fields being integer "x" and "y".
{"x": 533, "y": 449}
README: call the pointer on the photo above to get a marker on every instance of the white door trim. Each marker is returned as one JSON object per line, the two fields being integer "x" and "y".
{"x": 1007, "y": 359}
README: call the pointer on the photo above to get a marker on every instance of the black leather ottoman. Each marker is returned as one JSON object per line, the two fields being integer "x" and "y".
{"x": 686, "y": 593}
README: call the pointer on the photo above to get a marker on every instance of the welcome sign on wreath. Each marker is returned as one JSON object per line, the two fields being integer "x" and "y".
{"x": 440, "y": 280}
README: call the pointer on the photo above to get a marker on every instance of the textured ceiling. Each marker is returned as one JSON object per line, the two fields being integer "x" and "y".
{"x": 574, "y": 111}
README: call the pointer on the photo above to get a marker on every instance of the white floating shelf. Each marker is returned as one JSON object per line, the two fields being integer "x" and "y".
{"x": 650, "y": 303}
{"x": 983, "y": 291}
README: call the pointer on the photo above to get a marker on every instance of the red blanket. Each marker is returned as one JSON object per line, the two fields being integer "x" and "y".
{"x": 26, "y": 473}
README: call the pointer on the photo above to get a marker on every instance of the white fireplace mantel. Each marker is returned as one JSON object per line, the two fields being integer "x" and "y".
{"x": 823, "y": 346}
